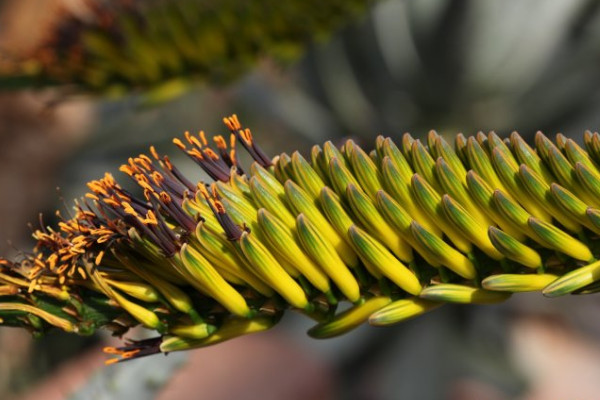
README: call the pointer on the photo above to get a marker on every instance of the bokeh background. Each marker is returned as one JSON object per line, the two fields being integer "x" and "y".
{"x": 404, "y": 65}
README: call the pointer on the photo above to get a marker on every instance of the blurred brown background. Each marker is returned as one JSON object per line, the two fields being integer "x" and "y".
{"x": 408, "y": 65}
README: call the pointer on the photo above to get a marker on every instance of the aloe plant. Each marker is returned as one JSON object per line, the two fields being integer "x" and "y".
{"x": 395, "y": 231}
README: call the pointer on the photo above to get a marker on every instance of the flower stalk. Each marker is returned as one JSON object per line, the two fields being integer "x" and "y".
{"x": 395, "y": 232}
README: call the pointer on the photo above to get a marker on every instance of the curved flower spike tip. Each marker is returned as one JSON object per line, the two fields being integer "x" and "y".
{"x": 396, "y": 231}
{"x": 161, "y": 47}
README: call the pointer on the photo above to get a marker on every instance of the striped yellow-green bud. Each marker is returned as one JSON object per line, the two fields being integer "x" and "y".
{"x": 330, "y": 151}
{"x": 431, "y": 202}
{"x": 373, "y": 252}
{"x": 552, "y": 237}
{"x": 268, "y": 180}
{"x": 590, "y": 179}
{"x": 400, "y": 220}
{"x": 319, "y": 164}
{"x": 567, "y": 175}
{"x": 446, "y": 152}
{"x": 379, "y": 143}
{"x": 137, "y": 290}
{"x": 483, "y": 142}
{"x": 593, "y": 215}
{"x": 211, "y": 282}
{"x": 369, "y": 217}
{"x": 270, "y": 270}
{"x": 494, "y": 141}
{"x": 480, "y": 163}
{"x": 340, "y": 176}
{"x": 52, "y": 319}
{"x": 306, "y": 176}
{"x": 576, "y": 154}
{"x": 572, "y": 206}
{"x": 526, "y": 155}
{"x": 452, "y": 293}
{"x": 560, "y": 141}
{"x": 400, "y": 188}
{"x": 518, "y": 282}
{"x": 511, "y": 211}
{"x": 402, "y": 310}
{"x": 284, "y": 244}
{"x": 404, "y": 170}
{"x": 144, "y": 316}
{"x": 542, "y": 145}
{"x": 469, "y": 226}
{"x": 483, "y": 195}
{"x": 374, "y": 156}
{"x": 193, "y": 331}
{"x": 592, "y": 144}
{"x": 326, "y": 256}
{"x": 443, "y": 252}
{"x": 508, "y": 171}
{"x": 364, "y": 170}
{"x": 141, "y": 314}
{"x": 232, "y": 328}
{"x": 460, "y": 143}
{"x": 574, "y": 280}
{"x": 233, "y": 196}
{"x": 240, "y": 183}
{"x": 334, "y": 211}
{"x": 283, "y": 168}
{"x": 513, "y": 249}
{"x": 423, "y": 163}
{"x": 349, "y": 319}
{"x": 456, "y": 188}
{"x": 432, "y": 136}
{"x": 407, "y": 143}
{"x": 266, "y": 198}
{"x": 301, "y": 203}
{"x": 223, "y": 256}
{"x": 540, "y": 191}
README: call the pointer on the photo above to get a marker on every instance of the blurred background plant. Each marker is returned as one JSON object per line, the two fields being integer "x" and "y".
{"x": 404, "y": 65}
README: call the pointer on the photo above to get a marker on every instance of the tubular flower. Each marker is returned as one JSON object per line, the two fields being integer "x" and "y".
{"x": 396, "y": 232}
{"x": 161, "y": 46}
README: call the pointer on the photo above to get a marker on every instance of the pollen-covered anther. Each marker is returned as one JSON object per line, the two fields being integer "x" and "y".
{"x": 220, "y": 142}
{"x": 128, "y": 209}
{"x": 150, "y": 218}
{"x": 202, "y": 137}
{"x": 158, "y": 178}
{"x": 232, "y": 122}
{"x": 154, "y": 153}
{"x": 147, "y": 161}
{"x": 177, "y": 142}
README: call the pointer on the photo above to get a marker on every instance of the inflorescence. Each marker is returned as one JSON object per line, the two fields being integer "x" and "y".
{"x": 394, "y": 232}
